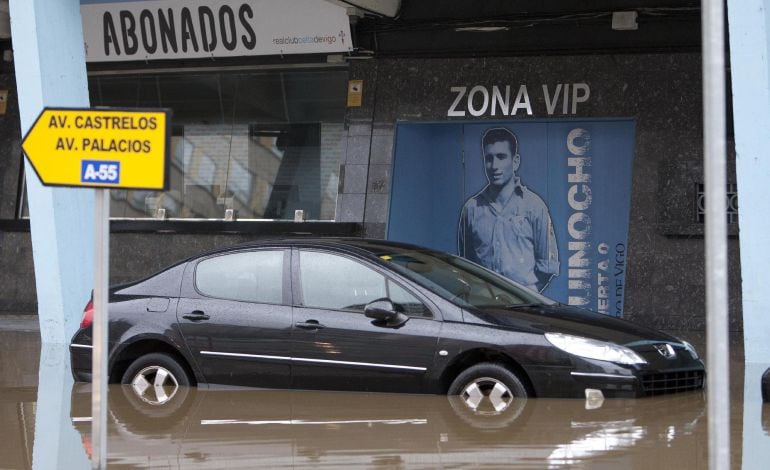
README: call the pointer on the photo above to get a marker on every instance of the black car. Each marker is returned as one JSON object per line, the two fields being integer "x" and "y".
{"x": 371, "y": 315}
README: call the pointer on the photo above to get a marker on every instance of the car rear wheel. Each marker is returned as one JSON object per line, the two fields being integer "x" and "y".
{"x": 488, "y": 388}
{"x": 155, "y": 378}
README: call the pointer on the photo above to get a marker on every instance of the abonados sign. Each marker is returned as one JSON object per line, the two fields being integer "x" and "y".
{"x": 116, "y": 30}
{"x": 100, "y": 148}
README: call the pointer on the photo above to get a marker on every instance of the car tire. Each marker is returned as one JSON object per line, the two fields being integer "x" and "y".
{"x": 488, "y": 388}
{"x": 156, "y": 380}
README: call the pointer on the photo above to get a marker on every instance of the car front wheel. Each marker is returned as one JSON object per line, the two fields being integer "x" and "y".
{"x": 488, "y": 388}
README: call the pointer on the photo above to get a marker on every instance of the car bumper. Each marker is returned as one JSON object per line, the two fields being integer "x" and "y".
{"x": 80, "y": 357}
{"x": 566, "y": 382}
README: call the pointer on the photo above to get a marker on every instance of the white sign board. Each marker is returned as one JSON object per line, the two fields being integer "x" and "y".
{"x": 187, "y": 29}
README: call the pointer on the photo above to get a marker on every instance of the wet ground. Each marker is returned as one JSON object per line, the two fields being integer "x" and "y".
{"x": 46, "y": 424}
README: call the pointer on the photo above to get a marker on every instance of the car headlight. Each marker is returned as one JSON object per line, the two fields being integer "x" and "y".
{"x": 594, "y": 349}
{"x": 690, "y": 348}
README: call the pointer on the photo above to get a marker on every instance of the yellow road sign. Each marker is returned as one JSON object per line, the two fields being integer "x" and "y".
{"x": 100, "y": 148}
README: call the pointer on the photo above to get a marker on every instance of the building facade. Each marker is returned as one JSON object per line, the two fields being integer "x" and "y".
{"x": 257, "y": 138}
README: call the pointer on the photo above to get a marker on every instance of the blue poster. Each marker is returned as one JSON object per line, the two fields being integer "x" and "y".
{"x": 544, "y": 203}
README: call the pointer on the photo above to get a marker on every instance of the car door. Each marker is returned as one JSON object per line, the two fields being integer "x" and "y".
{"x": 336, "y": 347}
{"x": 235, "y": 316}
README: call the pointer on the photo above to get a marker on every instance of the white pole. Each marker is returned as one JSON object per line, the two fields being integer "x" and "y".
{"x": 100, "y": 330}
{"x": 714, "y": 156}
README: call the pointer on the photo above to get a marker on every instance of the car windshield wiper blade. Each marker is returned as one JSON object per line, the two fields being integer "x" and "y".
{"x": 524, "y": 305}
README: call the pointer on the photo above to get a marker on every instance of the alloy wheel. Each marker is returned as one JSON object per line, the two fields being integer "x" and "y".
{"x": 487, "y": 395}
{"x": 155, "y": 385}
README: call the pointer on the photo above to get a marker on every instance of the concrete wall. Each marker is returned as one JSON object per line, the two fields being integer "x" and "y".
{"x": 17, "y": 278}
{"x": 665, "y": 281}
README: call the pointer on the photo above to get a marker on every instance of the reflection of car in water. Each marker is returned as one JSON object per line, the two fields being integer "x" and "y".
{"x": 371, "y": 315}
{"x": 261, "y": 428}
{"x": 766, "y": 418}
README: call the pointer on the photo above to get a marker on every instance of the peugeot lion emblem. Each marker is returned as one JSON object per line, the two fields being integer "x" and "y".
{"x": 666, "y": 350}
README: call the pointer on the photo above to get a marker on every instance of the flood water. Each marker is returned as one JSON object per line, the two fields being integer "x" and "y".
{"x": 46, "y": 424}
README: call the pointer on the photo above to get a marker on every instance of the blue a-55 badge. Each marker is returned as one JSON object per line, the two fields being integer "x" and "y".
{"x": 100, "y": 171}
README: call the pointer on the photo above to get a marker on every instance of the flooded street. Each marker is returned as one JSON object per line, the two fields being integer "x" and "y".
{"x": 47, "y": 425}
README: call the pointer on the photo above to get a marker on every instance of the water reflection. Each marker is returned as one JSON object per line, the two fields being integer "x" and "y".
{"x": 766, "y": 418}
{"x": 283, "y": 429}
{"x": 49, "y": 427}
{"x": 17, "y": 415}
{"x": 35, "y": 397}
{"x": 610, "y": 436}
{"x": 58, "y": 442}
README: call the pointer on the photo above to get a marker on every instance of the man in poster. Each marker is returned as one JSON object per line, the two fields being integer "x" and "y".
{"x": 506, "y": 227}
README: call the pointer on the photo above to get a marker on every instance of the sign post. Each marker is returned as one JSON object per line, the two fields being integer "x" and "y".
{"x": 99, "y": 353}
{"x": 101, "y": 149}
{"x": 715, "y": 177}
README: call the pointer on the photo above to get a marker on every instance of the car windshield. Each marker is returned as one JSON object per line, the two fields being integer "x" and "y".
{"x": 459, "y": 280}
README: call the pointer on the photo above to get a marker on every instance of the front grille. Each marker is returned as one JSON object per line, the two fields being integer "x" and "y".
{"x": 672, "y": 382}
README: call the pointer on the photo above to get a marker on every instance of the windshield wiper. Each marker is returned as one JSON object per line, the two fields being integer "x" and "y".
{"x": 531, "y": 304}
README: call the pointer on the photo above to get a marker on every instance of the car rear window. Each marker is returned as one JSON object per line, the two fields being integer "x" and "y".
{"x": 250, "y": 276}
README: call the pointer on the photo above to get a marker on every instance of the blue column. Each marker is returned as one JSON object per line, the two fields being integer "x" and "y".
{"x": 748, "y": 22}
{"x": 57, "y": 443}
{"x": 50, "y": 71}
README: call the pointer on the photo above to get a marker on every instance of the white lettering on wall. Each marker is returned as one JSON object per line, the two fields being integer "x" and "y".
{"x": 496, "y": 100}
{"x": 579, "y": 281}
{"x": 478, "y": 89}
{"x": 580, "y": 94}
{"x": 453, "y": 111}
{"x": 522, "y": 102}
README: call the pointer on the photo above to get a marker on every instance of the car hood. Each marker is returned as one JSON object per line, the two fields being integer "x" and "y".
{"x": 560, "y": 318}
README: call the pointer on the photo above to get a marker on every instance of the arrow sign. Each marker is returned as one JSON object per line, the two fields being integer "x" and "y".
{"x": 100, "y": 148}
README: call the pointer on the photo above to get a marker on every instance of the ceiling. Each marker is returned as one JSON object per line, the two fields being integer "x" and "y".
{"x": 502, "y": 27}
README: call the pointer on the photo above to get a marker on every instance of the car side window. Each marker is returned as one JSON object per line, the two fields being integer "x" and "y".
{"x": 406, "y": 302}
{"x": 338, "y": 283}
{"x": 249, "y": 276}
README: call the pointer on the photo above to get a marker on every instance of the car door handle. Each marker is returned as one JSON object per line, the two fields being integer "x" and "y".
{"x": 196, "y": 315}
{"x": 310, "y": 325}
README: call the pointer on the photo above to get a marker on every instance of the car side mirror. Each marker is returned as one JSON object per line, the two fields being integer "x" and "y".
{"x": 384, "y": 313}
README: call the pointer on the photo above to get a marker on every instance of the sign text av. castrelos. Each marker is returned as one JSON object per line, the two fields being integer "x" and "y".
{"x": 104, "y": 148}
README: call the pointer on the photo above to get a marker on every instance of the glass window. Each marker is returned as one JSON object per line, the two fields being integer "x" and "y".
{"x": 406, "y": 302}
{"x": 253, "y": 276}
{"x": 338, "y": 283}
{"x": 457, "y": 279}
{"x": 262, "y": 144}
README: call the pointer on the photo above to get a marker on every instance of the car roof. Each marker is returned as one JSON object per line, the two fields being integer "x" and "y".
{"x": 369, "y": 246}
